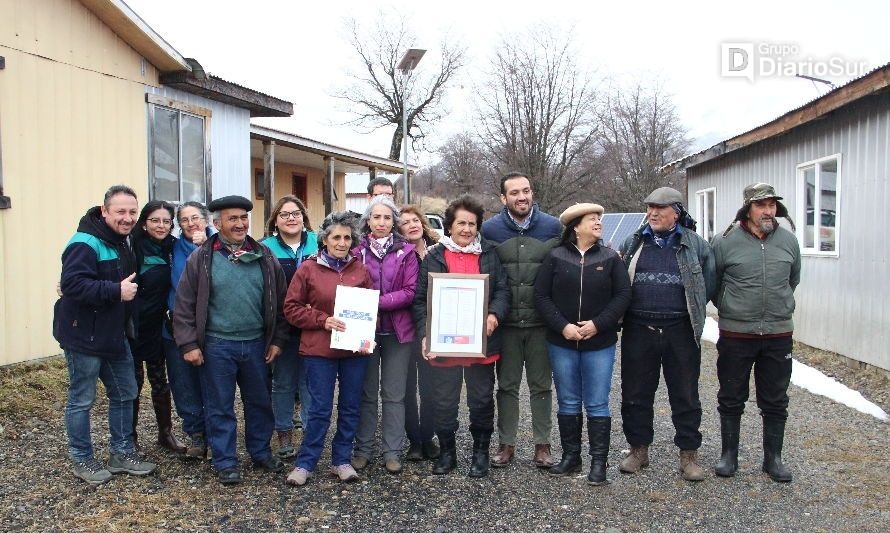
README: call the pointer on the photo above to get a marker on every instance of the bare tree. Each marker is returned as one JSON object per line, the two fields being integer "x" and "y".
{"x": 463, "y": 164}
{"x": 376, "y": 95}
{"x": 640, "y": 133}
{"x": 536, "y": 115}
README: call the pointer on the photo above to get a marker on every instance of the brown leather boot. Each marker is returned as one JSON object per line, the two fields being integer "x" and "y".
{"x": 504, "y": 456}
{"x": 689, "y": 466}
{"x": 166, "y": 438}
{"x": 637, "y": 458}
{"x": 543, "y": 457}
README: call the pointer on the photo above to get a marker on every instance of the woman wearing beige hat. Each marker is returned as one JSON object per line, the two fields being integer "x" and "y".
{"x": 582, "y": 291}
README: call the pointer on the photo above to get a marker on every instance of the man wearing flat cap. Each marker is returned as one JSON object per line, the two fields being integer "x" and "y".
{"x": 229, "y": 321}
{"x": 673, "y": 276}
{"x": 758, "y": 268}
{"x": 524, "y": 235}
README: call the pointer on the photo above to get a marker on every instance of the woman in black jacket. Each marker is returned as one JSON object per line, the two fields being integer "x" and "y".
{"x": 464, "y": 251}
{"x": 153, "y": 246}
{"x": 581, "y": 292}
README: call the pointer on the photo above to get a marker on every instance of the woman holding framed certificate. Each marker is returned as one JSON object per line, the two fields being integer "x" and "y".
{"x": 581, "y": 292}
{"x": 309, "y": 305}
{"x": 464, "y": 253}
{"x": 393, "y": 265}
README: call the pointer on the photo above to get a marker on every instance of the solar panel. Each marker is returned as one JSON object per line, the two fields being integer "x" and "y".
{"x": 617, "y": 227}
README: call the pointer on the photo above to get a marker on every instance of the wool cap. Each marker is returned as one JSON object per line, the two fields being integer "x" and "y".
{"x": 664, "y": 196}
{"x": 230, "y": 202}
{"x": 579, "y": 210}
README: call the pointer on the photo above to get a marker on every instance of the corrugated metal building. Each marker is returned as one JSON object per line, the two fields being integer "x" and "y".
{"x": 830, "y": 159}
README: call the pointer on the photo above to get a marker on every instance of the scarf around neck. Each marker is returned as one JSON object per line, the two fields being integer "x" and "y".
{"x": 474, "y": 247}
{"x": 379, "y": 246}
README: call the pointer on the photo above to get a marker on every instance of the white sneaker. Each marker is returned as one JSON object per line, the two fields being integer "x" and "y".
{"x": 298, "y": 476}
{"x": 345, "y": 472}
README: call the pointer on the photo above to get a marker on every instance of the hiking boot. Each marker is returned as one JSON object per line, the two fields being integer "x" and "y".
{"x": 197, "y": 448}
{"x": 729, "y": 454}
{"x": 345, "y": 472}
{"x": 570, "y": 437}
{"x": 689, "y": 466}
{"x": 270, "y": 464}
{"x": 543, "y": 456}
{"x": 637, "y": 458}
{"x": 393, "y": 465}
{"x": 415, "y": 452}
{"x": 229, "y": 476}
{"x": 130, "y": 463}
{"x": 91, "y": 471}
{"x": 286, "y": 448}
{"x": 298, "y": 476}
{"x": 504, "y": 456}
{"x": 430, "y": 449}
{"x": 359, "y": 462}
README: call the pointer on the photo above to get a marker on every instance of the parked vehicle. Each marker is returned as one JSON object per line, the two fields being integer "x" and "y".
{"x": 436, "y": 224}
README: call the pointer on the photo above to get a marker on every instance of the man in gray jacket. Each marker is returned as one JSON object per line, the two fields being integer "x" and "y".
{"x": 672, "y": 274}
{"x": 758, "y": 268}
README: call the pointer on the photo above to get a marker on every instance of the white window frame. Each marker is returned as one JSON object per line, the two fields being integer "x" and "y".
{"x": 801, "y": 211}
{"x": 155, "y": 101}
{"x": 702, "y": 212}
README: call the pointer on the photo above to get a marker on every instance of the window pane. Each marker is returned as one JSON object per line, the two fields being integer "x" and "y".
{"x": 828, "y": 205}
{"x": 165, "y": 155}
{"x": 809, "y": 206}
{"x": 193, "y": 183}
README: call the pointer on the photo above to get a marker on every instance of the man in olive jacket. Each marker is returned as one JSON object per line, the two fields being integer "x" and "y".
{"x": 524, "y": 235}
{"x": 758, "y": 268}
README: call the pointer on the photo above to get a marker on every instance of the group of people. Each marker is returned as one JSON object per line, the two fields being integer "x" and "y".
{"x": 220, "y": 311}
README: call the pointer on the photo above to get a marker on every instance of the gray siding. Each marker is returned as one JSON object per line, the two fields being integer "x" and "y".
{"x": 842, "y": 302}
{"x": 229, "y": 142}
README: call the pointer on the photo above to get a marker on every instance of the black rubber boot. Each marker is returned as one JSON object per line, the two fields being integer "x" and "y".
{"x": 773, "y": 438}
{"x": 729, "y": 456}
{"x": 599, "y": 432}
{"x": 570, "y": 438}
{"x": 481, "y": 443}
{"x": 135, "y": 424}
{"x": 447, "y": 460}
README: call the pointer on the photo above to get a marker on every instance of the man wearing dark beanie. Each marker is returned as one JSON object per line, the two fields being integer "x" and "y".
{"x": 673, "y": 276}
{"x": 229, "y": 321}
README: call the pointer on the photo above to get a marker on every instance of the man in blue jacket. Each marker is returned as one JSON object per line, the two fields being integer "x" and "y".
{"x": 92, "y": 321}
{"x": 524, "y": 235}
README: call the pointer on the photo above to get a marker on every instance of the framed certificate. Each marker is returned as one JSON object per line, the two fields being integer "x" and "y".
{"x": 456, "y": 313}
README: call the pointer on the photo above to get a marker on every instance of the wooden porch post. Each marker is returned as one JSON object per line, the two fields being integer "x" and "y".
{"x": 328, "y": 184}
{"x": 372, "y": 173}
{"x": 268, "y": 180}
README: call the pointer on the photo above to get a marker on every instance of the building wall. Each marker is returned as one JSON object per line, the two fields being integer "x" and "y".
{"x": 841, "y": 301}
{"x": 314, "y": 199}
{"x": 72, "y": 123}
{"x": 229, "y": 141}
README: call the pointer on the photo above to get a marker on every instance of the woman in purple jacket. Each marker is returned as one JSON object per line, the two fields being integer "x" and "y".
{"x": 393, "y": 265}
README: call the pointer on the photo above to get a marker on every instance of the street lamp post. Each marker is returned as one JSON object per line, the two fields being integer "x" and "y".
{"x": 406, "y": 65}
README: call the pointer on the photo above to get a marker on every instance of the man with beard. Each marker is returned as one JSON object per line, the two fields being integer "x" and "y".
{"x": 758, "y": 268}
{"x": 93, "y": 318}
{"x": 524, "y": 235}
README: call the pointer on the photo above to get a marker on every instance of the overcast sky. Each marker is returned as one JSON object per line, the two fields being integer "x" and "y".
{"x": 298, "y": 51}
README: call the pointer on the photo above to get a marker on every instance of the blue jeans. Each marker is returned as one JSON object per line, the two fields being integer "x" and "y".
{"x": 185, "y": 384}
{"x": 287, "y": 376}
{"x": 582, "y": 376}
{"x": 227, "y": 363}
{"x": 118, "y": 376}
{"x": 322, "y": 374}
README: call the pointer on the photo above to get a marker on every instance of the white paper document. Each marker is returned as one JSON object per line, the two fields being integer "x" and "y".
{"x": 356, "y": 307}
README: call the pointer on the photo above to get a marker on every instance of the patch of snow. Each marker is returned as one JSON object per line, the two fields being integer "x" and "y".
{"x": 809, "y": 378}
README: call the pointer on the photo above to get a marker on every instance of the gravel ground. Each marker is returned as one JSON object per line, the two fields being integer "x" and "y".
{"x": 839, "y": 457}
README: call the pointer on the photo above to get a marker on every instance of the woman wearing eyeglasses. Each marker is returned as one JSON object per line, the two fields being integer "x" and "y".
{"x": 291, "y": 241}
{"x": 153, "y": 245}
{"x": 194, "y": 223}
